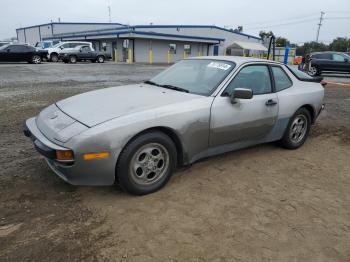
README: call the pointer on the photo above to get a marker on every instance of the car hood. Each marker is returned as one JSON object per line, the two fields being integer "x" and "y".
{"x": 95, "y": 107}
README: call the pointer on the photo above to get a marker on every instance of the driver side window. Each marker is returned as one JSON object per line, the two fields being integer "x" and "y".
{"x": 254, "y": 77}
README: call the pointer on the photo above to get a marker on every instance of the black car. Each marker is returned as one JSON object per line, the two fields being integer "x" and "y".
{"x": 83, "y": 53}
{"x": 21, "y": 53}
{"x": 329, "y": 62}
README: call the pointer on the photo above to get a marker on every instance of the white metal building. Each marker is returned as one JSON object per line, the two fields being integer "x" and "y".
{"x": 144, "y": 43}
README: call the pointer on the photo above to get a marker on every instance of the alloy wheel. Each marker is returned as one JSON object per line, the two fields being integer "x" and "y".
{"x": 149, "y": 164}
{"x": 298, "y": 129}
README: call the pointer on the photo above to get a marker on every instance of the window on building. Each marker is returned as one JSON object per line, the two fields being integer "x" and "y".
{"x": 172, "y": 48}
{"x": 282, "y": 81}
{"x": 187, "y": 49}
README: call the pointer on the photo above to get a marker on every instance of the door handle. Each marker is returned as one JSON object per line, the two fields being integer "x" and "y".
{"x": 271, "y": 102}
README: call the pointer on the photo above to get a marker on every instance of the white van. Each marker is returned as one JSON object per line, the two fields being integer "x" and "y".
{"x": 55, "y": 50}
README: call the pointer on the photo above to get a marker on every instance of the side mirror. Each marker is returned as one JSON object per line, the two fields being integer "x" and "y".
{"x": 346, "y": 60}
{"x": 81, "y": 50}
{"x": 241, "y": 93}
{"x": 8, "y": 50}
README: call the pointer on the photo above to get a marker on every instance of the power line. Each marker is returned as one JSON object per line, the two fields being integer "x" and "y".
{"x": 283, "y": 24}
{"x": 285, "y": 19}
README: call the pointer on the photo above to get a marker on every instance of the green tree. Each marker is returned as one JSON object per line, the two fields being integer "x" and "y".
{"x": 264, "y": 34}
{"x": 309, "y": 47}
{"x": 340, "y": 44}
{"x": 282, "y": 42}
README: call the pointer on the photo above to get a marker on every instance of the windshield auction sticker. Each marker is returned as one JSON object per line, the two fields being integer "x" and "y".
{"x": 219, "y": 65}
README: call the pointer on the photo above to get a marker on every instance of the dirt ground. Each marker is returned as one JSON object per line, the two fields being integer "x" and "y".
{"x": 259, "y": 204}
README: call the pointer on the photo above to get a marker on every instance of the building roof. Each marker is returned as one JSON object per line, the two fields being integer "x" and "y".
{"x": 130, "y": 32}
{"x": 147, "y": 26}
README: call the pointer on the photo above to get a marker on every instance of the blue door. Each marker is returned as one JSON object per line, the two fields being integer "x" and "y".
{"x": 216, "y": 50}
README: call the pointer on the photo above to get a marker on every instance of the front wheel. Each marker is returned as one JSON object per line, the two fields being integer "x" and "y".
{"x": 36, "y": 59}
{"x": 146, "y": 163}
{"x": 313, "y": 71}
{"x": 297, "y": 130}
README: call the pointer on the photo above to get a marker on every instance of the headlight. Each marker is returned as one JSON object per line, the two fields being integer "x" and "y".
{"x": 64, "y": 155}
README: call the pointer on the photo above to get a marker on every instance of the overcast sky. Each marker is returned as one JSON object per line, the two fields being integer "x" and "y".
{"x": 296, "y": 20}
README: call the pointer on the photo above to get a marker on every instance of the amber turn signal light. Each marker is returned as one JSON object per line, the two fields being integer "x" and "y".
{"x": 90, "y": 156}
{"x": 64, "y": 155}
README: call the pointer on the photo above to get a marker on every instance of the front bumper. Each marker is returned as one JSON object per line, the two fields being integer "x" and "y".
{"x": 98, "y": 172}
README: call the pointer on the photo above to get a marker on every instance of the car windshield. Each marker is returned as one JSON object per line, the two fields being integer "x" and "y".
{"x": 56, "y": 45}
{"x": 4, "y": 46}
{"x": 195, "y": 76}
{"x": 299, "y": 74}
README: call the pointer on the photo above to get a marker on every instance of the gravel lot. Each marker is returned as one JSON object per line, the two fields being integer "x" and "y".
{"x": 259, "y": 204}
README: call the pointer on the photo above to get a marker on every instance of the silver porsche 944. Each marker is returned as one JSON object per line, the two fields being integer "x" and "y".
{"x": 136, "y": 135}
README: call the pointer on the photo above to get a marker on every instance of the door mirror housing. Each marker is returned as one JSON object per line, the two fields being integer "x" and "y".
{"x": 346, "y": 60}
{"x": 241, "y": 93}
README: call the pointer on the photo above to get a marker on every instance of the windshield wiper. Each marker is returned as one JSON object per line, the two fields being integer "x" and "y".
{"x": 175, "y": 88}
{"x": 151, "y": 83}
{"x": 167, "y": 86}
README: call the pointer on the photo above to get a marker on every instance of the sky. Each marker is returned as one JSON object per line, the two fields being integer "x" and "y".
{"x": 296, "y": 20}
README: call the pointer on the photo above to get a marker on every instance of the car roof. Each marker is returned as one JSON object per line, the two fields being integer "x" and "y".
{"x": 237, "y": 59}
{"x": 327, "y": 52}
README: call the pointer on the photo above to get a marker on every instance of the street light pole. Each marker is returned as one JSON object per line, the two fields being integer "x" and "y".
{"x": 319, "y": 26}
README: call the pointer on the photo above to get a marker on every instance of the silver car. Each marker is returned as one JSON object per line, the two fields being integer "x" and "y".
{"x": 137, "y": 135}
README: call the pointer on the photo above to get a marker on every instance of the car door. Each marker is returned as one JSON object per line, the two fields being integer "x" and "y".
{"x": 12, "y": 54}
{"x": 86, "y": 53}
{"x": 246, "y": 119}
{"x": 340, "y": 63}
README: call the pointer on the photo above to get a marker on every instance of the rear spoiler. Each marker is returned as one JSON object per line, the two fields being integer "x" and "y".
{"x": 317, "y": 79}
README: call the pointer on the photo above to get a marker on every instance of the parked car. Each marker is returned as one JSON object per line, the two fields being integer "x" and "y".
{"x": 21, "y": 53}
{"x": 4, "y": 43}
{"x": 329, "y": 62}
{"x": 83, "y": 53}
{"x": 57, "y": 49}
{"x": 136, "y": 135}
{"x": 46, "y": 44}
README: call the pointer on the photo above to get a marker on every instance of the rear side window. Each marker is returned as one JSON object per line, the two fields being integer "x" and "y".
{"x": 338, "y": 58}
{"x": 282, "y": 81}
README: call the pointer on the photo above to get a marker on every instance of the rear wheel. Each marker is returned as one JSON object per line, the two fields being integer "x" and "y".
{"x": 100, "y": 59}
{"x": 297, "y": 130}
{"x": 146, "y": 163}
{"x": 36, "y": 59}
{"x": 54, "y": 58}
{"x": 73, "y": 59}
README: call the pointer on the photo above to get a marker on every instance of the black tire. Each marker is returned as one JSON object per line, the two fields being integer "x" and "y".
{"x": 73, "y": 59}
{"x": 287, "y": 141}
{"x": 36, "y": 59}
{"x": 54, "y": 58}
{"x": 100, "y": 59}
{"x": 126, "y": 177}
{"x": 314, "y": 71}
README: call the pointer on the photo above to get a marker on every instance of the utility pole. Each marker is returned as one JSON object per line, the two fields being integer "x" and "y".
{"x": 319, "y": 26}
{"x": 109, "y": 14}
